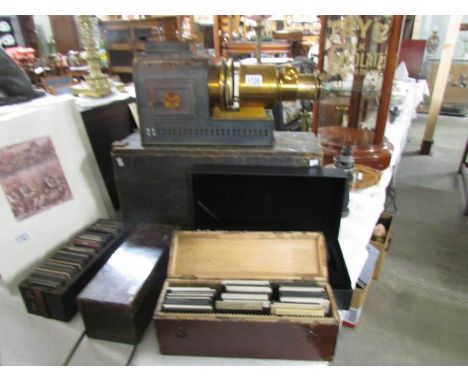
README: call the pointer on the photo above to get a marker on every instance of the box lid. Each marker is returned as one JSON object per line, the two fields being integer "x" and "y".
{"x": 248, "y": 255}
{"x": 262, "y": 198}
{"x": 282, "y": 198}
{"x": 121, "y": 282}
{"x": 368, "y": 270}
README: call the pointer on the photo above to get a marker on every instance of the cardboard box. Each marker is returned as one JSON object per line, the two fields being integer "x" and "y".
{"x": 361, "y": 291}
{"x": 382, "y": 245}
{"x": 368, "y": 270}
{"x": 206, "y": 257}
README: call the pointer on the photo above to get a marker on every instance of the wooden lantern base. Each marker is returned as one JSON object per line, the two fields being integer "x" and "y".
{"x": 334, "y": 138}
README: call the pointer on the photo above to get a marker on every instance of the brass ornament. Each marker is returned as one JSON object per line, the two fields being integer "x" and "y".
{"x": 96, "y": 84}
{"x": 171, "y": 100}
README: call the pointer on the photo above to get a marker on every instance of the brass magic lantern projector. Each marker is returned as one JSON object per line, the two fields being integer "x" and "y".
{"x": 184, "y": 99}
{"x": 246, "y": 91}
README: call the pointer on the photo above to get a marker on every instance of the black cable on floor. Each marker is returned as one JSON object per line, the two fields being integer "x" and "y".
{"x": 70, "y": 355}
{"x": 130, "y": 358}
{"x": 390, "y": 200}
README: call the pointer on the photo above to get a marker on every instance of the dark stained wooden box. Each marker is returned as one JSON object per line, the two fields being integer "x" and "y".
{"x": 206, "y": 257}
{"x": 104, "y": 125}
{"x": 154, "y": 183}
{"x": 119, "y": 302}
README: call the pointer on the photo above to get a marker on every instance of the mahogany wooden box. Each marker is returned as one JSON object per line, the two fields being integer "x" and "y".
{"x": 118, "y": 303}
{"x": 206, "y": 257}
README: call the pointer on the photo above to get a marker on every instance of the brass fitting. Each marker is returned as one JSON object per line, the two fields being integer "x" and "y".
{"x": 259, "y": 85}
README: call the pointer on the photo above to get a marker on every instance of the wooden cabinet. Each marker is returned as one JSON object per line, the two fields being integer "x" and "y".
{"x": 223, "y": 28}
{"x": 360, "y": 64}
{"x": 456, "y": 92}
{"x": 295, "y": 39}
{"x": 65, "y": 32}
{"x": 238, "y": 49}
{"x": 124, "y": 38}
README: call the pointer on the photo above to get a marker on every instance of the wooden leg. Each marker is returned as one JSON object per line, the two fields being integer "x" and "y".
{"x": 426, "y": 147}
{"x": 463, "y": 162}
{"x": 440, "y": 82}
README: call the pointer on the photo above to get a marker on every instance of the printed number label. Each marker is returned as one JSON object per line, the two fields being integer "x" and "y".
{"x": 120, "y": 162}
{"x": 22, "y": 238}
{"x": 253, "y": 79}
{"x": 314, "y": 163}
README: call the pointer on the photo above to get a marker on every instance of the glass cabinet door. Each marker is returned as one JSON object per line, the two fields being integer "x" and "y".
{"x": 355, "y": 53}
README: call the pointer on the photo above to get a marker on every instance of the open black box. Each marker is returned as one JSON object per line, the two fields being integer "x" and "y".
{"x": 252, "y": 198}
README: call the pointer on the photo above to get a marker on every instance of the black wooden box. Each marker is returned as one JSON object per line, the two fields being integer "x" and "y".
{"x": 239, "y": 198}
{"x": 119, "y": 302}
{"x": 60, "y": 303}
{"x": 153, "y": 183}
{"x": 104, "y": 125}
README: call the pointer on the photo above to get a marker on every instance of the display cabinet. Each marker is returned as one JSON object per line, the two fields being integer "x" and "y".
{"x": 123, "y": 39}
{"x": 238, "y": 49}
{"x": 358, "y": 56}
{"x": 455, "y": 99}
{"x": 223, "y": 28}
{"x": 295, "y": 38}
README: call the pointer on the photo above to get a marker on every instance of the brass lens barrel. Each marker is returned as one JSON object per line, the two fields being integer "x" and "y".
{"x": 261, "y": 85}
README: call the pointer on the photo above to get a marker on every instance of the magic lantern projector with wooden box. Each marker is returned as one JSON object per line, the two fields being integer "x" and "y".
{"x": 183, "y": 99}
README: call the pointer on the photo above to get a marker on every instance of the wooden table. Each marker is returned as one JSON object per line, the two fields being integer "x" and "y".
{"x": 33, "y": 340}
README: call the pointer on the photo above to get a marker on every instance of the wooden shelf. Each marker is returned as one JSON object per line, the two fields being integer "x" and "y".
{"x": 124, "y": 38}
{"x": 122, "y": 69}
{"x": 140, "y": 46}
{"x": 247, "y": 47}
{"x": 119, "y": 46}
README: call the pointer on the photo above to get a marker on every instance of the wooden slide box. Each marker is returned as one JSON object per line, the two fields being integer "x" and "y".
{"x": 206, "y": 257}
{"x": 60, "y": 304}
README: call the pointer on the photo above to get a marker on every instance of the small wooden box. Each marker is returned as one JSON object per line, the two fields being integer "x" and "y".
{"x": 206, "y": 257}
